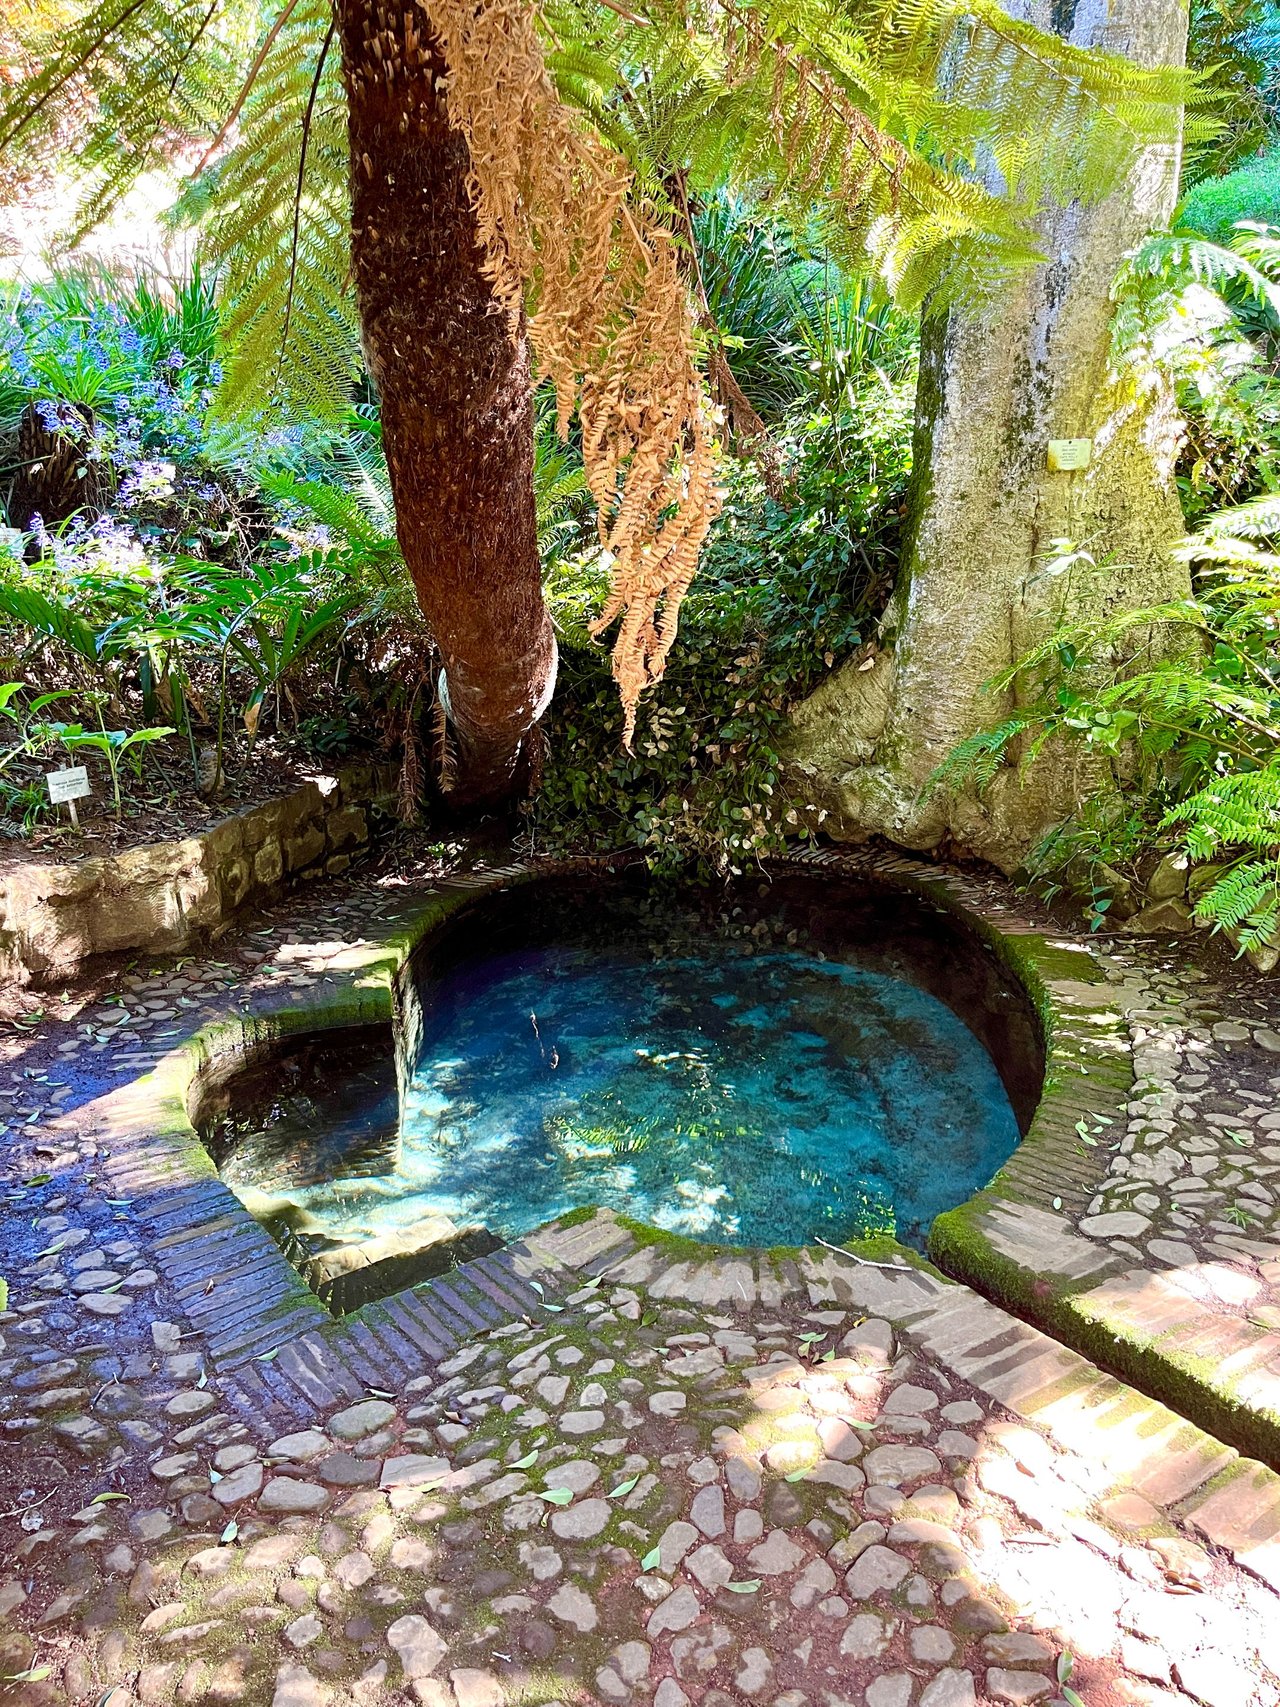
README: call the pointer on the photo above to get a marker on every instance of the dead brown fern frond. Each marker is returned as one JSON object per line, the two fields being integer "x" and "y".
{"x": 444, "y": 758}
{"x": 609, "y": 317}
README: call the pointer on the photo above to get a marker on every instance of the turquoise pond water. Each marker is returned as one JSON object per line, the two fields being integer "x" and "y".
{"x": 754, "y": 1097}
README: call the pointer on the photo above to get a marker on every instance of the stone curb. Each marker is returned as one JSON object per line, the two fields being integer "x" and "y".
{"x": 163, "y": 895}
{"x": 1015, "y": 1242}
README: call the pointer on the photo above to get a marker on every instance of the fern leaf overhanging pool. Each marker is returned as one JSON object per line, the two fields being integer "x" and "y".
{"x": 809, "y": 1056}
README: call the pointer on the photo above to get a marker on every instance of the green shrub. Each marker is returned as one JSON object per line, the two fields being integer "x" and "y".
{"x": 1235, "y": 47}
{"x": 212, "y": 566}
{"x": 793, "y": 575}
{"x": 1251, "y": 192}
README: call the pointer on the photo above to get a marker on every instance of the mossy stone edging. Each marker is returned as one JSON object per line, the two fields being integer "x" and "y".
{"x": 999, "y": 1262}
{"x": 279, "y": 1352}
{"x": 377, "y": 990}
{"x": 1088, "y": 1071}
{"x": 163, "y": 895}
{"x": 1015, "y": 1241}
{"x": 238, "y": 1286}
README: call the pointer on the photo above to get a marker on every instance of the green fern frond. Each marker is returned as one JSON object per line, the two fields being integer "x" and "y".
{"x": 362, "y": 464}
{"x": 280, "y": 226}
{"x": 116, "y": 86}
{"x": 915, "y": 137}
{"x": 1258, "y": 929}
{"x": 870, "y": 128}
{"x": 1245, "y": 901}
{"x": 1259, "y": 518}
{"x": 341, "y": 511}
{"x": 1234, "y": 811}
{"x": 979, "y": 759}
{"x": 1168, "y": 258}
{"x": 1086, "y": 110}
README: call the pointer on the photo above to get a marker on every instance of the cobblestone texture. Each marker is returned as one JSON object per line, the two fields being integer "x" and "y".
{"x": 584, "y": 1470}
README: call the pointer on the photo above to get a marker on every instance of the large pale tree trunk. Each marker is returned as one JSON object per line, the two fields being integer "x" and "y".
{"x": 456, "y": 392}
{"x": 996, "y": 384}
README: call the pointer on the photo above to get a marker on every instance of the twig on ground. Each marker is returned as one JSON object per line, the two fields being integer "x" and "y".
{"x": 22, "y": 1510}
{"x": 866, "y": 1262}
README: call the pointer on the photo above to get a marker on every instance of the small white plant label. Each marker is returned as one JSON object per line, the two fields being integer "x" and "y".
{"x": 1068, "y": 455}
{"x": 70, "y": 784}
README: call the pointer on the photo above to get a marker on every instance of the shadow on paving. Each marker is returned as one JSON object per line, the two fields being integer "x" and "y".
{"x": 628, "y": 1500}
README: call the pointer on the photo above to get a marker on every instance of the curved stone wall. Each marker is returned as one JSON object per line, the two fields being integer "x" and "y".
{"x": 164, "y": 895}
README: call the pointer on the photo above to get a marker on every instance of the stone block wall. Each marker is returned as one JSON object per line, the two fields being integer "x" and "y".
{"x": 164, "y": 895}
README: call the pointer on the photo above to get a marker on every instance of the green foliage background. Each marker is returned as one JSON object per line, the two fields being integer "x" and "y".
{"x": 233, "y": 449}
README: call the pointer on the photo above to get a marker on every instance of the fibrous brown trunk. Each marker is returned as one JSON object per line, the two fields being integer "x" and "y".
{"x": 457, "y": 397}
{"x": 998, "y": 381}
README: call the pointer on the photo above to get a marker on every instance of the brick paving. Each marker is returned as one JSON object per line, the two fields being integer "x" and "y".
{"x": 584, "y": 1469}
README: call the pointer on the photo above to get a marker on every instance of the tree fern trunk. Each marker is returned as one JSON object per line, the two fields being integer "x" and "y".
{"x": 996, "y": 384}
{"x": 457, "y": 397}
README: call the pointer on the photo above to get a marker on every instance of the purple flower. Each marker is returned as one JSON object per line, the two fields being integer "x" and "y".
{"x": 60, "y": 417}
{"x": 149, "y": 480}
{"x": 102, "y": 546}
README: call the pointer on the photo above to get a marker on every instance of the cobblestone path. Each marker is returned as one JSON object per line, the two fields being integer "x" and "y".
{"x": 805, "y": 1485}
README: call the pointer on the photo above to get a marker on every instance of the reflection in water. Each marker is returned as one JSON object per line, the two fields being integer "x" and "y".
{"x": 756, "y": 1097}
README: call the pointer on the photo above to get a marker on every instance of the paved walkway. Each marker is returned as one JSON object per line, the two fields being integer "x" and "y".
{"x": 624, "y": 1478}
{"x": 1143, "y": 1224}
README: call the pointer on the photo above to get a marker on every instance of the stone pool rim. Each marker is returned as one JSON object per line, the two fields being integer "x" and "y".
{"x": 625, "y": 917}
{"x": 1018, "y": 1242}
{"x": 384, "y": 998}
{"x": 181, "y": 1080}
{"x": 167, "y": 1100}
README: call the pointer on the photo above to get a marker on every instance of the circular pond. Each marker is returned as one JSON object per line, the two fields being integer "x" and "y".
{"x": 770, "y": 1065}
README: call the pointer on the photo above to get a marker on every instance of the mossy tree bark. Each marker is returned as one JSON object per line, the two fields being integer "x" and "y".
{"x": 457, "y": 398}
{"x": 996, "y": 384}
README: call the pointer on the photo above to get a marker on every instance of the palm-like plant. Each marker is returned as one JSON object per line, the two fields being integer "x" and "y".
{"x": 878, "y": 115}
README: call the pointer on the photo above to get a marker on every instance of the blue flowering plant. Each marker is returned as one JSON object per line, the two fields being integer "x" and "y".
{"x": 107, "y": 407}
{"x": 154, "y": 573}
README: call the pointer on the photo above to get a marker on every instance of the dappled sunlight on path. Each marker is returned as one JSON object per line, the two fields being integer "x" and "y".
{"x": 598, "y": 1470}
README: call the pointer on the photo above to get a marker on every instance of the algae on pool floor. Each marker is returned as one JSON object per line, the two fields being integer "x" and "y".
{"x": 731, "y": 1091}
